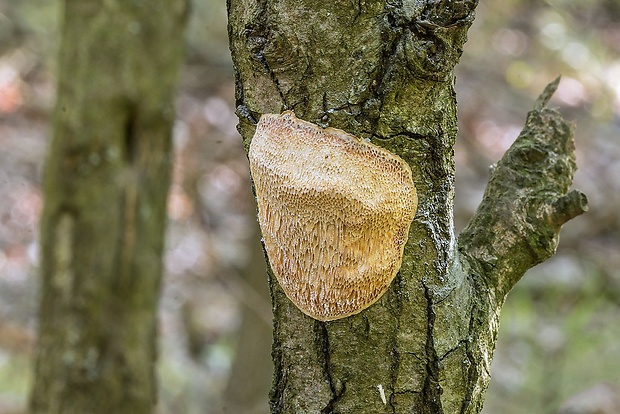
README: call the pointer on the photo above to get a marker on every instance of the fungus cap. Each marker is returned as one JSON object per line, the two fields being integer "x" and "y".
{"x": 334, "y": 211}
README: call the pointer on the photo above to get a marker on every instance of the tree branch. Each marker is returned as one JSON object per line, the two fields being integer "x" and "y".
{"x": 525, "y": 203}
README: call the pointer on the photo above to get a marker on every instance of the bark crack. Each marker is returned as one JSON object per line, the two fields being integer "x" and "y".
{"x": 395, "y": 355}
{"x": 431, "y": 393}
{"x": 258, "y": 37}
{"x": 472, "y": 370}
{"x": 322, "y": 342}
{"x": 260, "y": 57}
{"x": 280, "y": 379}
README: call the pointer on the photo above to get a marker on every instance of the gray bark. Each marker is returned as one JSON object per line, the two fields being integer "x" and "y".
{"x": 384, "y": 71}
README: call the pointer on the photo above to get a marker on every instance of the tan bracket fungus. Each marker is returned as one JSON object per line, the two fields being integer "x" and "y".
{"x": 334, "y": 211}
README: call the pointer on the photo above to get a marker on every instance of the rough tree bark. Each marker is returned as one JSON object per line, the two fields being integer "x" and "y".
{"x": 106, "y": 182}
{"x": 383, "y": 70}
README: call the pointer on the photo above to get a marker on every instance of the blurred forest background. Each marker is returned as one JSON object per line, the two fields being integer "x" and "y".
{"x": 560, "y": 332}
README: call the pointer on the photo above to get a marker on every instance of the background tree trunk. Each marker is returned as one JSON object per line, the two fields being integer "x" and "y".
{"x": 106, "y": 182}
{"x": 384, "y": 71}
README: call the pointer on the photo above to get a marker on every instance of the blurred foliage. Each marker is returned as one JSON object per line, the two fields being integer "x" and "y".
{"x": 560, "y": 333}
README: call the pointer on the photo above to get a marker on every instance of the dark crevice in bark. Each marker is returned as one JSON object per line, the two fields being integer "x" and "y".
{"x": 472, "y": 370}
{"x": 275, "y": 401}
{"x": 258, "y": 55}
{"x": 276, "y": 83}
{"x": 407, "y": 134}
{"x": 395, "y": 354}
{"x": 276, "y": 404}
{"x": 358, "y": 13}
{"x": 329, "y": 408}
{"x": 244, "y": 112}
{"x": 239, "y": 94}
{"x": 258, "y": 36}
{"x": 445, "y": 296}
{"x": 279, "y": 381}
{"x": 324, "y": 122}
{"x": 431, "y": 393}
{"x": 394, "y": 368}
{"x": 322, "y": 344}
{"x": 452, "y": 350}
{"x": 382, "y": 76}
{"x": 480, "y": 326}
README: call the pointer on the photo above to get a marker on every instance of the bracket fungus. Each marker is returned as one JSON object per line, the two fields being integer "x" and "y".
{"x": 334, "y": 211}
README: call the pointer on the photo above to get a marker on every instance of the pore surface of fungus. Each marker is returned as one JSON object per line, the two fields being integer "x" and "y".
{"x": 334, "y": 211}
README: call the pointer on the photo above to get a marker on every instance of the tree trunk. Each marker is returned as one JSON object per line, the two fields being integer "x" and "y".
{"x": 106, "y": 182}
{"x": 384, "y": 71}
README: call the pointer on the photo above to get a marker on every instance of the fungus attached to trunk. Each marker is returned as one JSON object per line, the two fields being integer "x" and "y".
{"x": 334, "y": 211}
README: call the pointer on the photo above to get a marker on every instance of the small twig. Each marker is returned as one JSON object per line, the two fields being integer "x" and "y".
{"x": 546, "y": 95}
